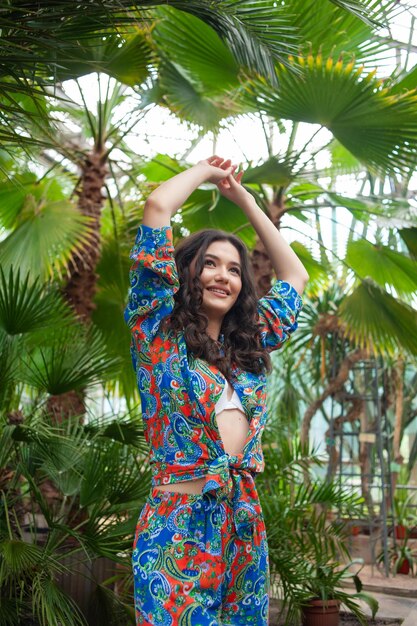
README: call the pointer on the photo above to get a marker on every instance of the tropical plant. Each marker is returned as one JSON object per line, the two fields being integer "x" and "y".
{"x": 45, "y": 541}
{"x": 305, "y": 547}
{"x": 41, "y": 44}
{"x": 326, "y": 582}
{"x": 405, "y": 510}
{"x": 402, "y": 557}
{"x": 70, "y": 491}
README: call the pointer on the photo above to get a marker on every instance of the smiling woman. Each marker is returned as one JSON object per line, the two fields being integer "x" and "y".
{"x": 200, "y": 346}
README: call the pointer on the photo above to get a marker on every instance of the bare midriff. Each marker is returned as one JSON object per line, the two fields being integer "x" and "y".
{"x": 233, "y": 428}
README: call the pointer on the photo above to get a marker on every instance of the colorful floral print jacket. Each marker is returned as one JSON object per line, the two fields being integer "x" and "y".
{"x": 179, "y": 392}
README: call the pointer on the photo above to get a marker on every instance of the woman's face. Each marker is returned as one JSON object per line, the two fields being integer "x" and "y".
{"x": 220, "y": 279}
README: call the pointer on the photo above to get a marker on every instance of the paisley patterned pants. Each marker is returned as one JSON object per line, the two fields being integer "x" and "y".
{"x": 191, "y": 568}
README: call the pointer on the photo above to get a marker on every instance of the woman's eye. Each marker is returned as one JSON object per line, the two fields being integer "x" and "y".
{"x": 235, "y": 270}
{"x": 208, "y": 262}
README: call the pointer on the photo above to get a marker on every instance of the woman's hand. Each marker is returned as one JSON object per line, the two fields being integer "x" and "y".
{"x": 217, "y": 168}
{"x": 232, "y": 189}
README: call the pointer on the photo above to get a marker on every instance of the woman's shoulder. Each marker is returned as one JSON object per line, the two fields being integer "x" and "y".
{"x": 151, "y": 238}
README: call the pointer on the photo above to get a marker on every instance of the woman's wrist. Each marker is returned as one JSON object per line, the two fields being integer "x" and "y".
{"x": 248, "y": 204}
{"x": 204, "y": 169}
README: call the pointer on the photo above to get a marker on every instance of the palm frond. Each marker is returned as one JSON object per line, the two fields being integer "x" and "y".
{"x": 52, "y": 606}
{"x": 128, "y": 432}
{"x": 204, "y": 59}
{"x": 9, "y": 358}
{"x": 10, "y": 611}
{"x": 106, "y": 605}
{"x": 375, "y": 125}
{"x": 377, "y": 321}
{"x": 190, "y": 102}
{"x": 384, "y": 265}
{"x": 18, "y": 557}
{"x": 110, "y": 301}
{"x": 331, "y": 29}
{"x": 27, "y": 305}
{"x": 71, "y": 358}
{"x": 275, "y": 171}
{"x": 318, "y": 272}
{"x": 48, "y": 237}
{"x": 405, "y": 82}
{"x": 409, "y": 236}
{"x": 127, "y": 58}
{"x": 360, "y": 9}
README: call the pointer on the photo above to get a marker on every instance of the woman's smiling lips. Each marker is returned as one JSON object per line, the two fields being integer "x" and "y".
{"x": 218, "y": 291}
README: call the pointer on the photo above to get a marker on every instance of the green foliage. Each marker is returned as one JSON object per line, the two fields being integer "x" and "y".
{"x": 27, "y": 305}
{"x": 47, "y": 237}
{"x": 376, "y": 318}
{"x": 305, "y": 547}
{"x": 372, "y": 122}
{"x": 98, "y": 473}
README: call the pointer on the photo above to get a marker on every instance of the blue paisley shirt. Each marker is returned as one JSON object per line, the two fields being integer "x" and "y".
{"x": 178, "y": 392}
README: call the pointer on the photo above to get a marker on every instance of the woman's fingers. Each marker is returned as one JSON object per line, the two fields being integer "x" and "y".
{"x": 217, "y": 161}
{"x": 226, "y": 164}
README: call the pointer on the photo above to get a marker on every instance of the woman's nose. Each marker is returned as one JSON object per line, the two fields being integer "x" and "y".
{"x": 222, "y": 274}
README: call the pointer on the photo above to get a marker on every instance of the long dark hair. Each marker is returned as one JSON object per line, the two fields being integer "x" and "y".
{"x": 242, "y": 340}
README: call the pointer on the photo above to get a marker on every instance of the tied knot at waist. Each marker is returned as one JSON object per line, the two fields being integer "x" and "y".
{"x": 228, "y": 480}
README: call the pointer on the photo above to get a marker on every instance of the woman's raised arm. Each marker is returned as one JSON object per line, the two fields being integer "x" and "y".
{"x": 286, "y": 264}
{"x": 166, "y": 199}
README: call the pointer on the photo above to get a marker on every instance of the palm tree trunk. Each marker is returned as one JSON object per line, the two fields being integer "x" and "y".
{"x": 81, "y": 286}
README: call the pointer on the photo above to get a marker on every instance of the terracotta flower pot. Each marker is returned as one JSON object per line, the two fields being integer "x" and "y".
{"x": 321, "y": 613}
{"x": 404, "y": 567}
{"x": 400, "y": 531}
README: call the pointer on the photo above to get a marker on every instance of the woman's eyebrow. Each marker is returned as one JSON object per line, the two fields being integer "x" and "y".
{"x": 216, "y": 258}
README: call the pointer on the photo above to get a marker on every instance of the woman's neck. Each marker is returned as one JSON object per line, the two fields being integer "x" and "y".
{"x": 213, "y": 329}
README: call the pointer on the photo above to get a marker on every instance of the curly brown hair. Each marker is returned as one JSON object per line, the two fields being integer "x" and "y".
{"x": 241, "y": 344}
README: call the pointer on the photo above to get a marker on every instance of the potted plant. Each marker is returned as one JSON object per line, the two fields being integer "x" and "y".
{"x": 327, "y": 594}
{"x": 405, "y": 512}
{"x": 402, "y": 558}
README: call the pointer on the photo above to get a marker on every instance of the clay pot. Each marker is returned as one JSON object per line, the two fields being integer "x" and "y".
{"x": 400, "y": 531}
{"x": 404, "y": 567}
{"x": 321, "y": 613}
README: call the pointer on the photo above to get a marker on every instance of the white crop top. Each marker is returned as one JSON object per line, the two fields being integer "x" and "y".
{"x": 224, "y": 403}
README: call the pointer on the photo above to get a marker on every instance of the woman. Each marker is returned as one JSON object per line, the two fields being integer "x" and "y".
{"x": 200, "y": 348}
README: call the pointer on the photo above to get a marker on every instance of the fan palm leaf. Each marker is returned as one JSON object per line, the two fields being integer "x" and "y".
{"x": 110, "y": 302}
{"x": 191, "y": 103}
{"x": 49, "y": 236}
{"x": 41, "y": 43}
{"x": 405, "y": 81}
{"x": 409, "y": 236}
{"x": 383, "y": 265}
{"x": 27, "y": 305}
{"x": 377, "y": 126}
{"x": 67, "y": 359}
{"x": 329, "y": 29}
{"x": 126, "y": 58}
{"x": 9, "y": 355}
{"x": 199, "y": 51}
{"x": 377, "y": 321}
{"x": 276, "y": 170}
{"x": 52, "y": 606}
{"x": 18, "y": 557}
